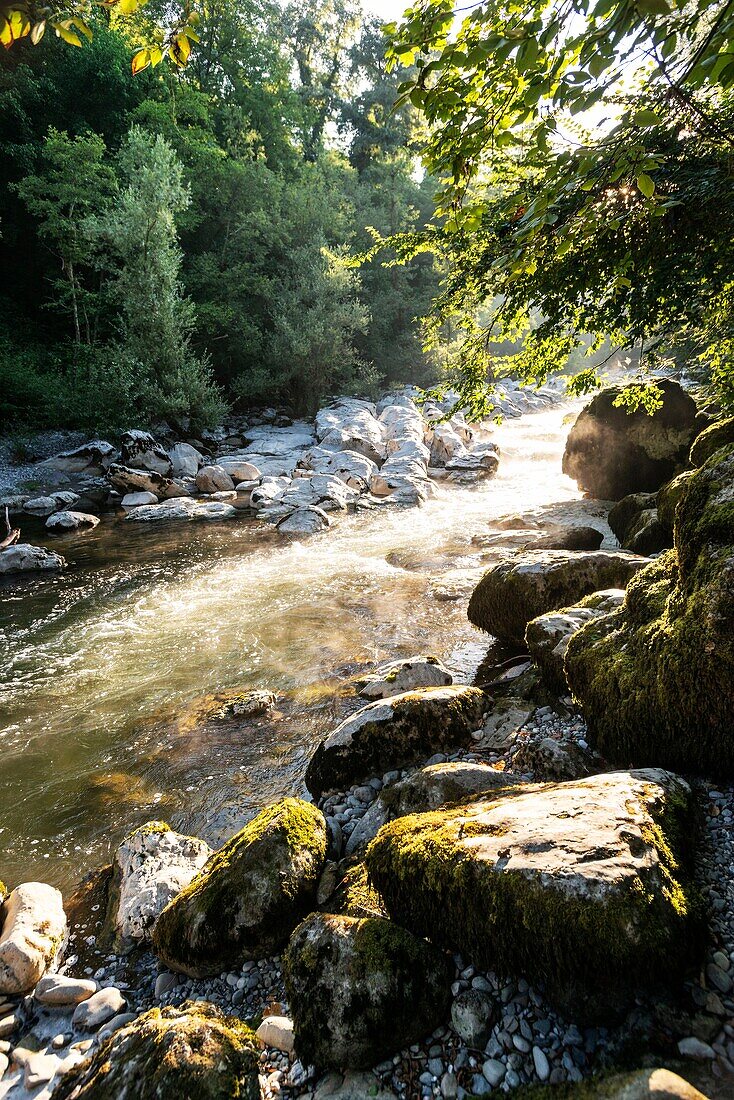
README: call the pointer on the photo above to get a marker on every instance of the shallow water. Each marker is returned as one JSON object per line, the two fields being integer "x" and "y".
{"x": 97, "y": 666}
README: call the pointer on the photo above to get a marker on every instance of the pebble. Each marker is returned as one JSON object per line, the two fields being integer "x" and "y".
{"x": 100, "y": 1008}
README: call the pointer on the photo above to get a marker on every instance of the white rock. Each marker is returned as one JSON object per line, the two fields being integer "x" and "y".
{"x": 185, "y": 508}
{"x": 61, "y": 990}
{"x": 185, "y": 460}
{"x": 141, "y": 451}
{"x": 24, "y": 558}
{"x": 33, "y": 931}
{"x": 40, "y": 506}
{"x": 276, "y": 1032}
{"x": 239, "y": 468}
{"x": 150, "y": 867}
{"x": 304, "y": 521}
{"x": 70, "y": 521}
{"x": 134, "y": 500}
{"x": 94, "y": 456}
{"x": 406, "y": 675}
{"x": 213, "y": 479}
{"x": 98, "y": 1009}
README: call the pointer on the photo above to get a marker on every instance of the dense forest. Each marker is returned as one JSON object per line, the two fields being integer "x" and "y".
{"x": 184, "y": 240}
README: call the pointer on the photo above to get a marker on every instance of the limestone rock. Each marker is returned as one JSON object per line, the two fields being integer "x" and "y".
{"x": 191, "y": 1053}
{"x": 24, "y": 558}
{"x": 361, "y": 989}
{"x": 547, "y": 636}
{"x": 394, "y": 732}
{"x": 405, "y": 675}
{"x": 611, "y": 452}
{"x": 150, "y": 867}
{"x": 239, "y": 468}
{"x": 185, "y": 460}
{"x": 186, "y": 509}
{"x": 640, "y": 1084}
{"x": 712, "y": 439}
{"x": 250, "y": 895}
{"x": 553, "y": 760}
{"x": 142, "y": 452}
{"x": 70, "y": 521}
{"x": 598, "y": 864}
{"x": 33, "y": 931}
{"x": 129, "y": 480}
{"x": 276, "y": 1032}
{"x": 439, "y": 785}
{"x": 60, "y": 990}
{"x": 569, "y": 538}
{"x": 93, "y": 457}
{"x": 534, "y": 582}
{"x": 214, "y": 479}
{"x": 667, "y": 500}
{"x": 96, "y": 1010}
{"x": 134, "y": 500}
{"x": 40, "y": 506}
{"x": 626, "y": 512}
{"x": 656, "y": 678}
{"x": 304, "y": 521}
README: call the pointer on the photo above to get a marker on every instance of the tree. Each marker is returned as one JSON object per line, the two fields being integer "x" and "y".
{"x": 72, "y": 186}
{"x": 540, "y": 215}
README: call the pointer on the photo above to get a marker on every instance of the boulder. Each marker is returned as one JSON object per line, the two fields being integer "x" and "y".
{"x": 534, "y": 582}
{"x": 350, "y": 467}
{"x": 569, "y": 538}
{"x": 361, "y": 989}
{"x": 446, "y": 444}
{"x": 70, "y": 521}
{"x": 91, "y": 1013}
{"x": 405, "y": 675}
{"x": 151, "y": 866}
{"x": 134, "y": 500}
{"x": 24, "y": 558}
{"x": 250, "y": 895}
{"x": 548, "y": 635}
{"x": 214, "y": 479}
{"x": 478, "y": 464}
{"x": 394, "y": 732}
{"x": 239, "y": 468}
{"x": 185, "y": 460}
{"x": 304, "y": 521}
{"x": 667, "y": 500}
{"x": 712, "y": 439}
{"x": 40, "y": 506}
{"x": 583, "y": 884}
{"x": 656, "y": 678}
{"x": 276, "y": 1032}
{"x": 439, "y": 785}
{"x": 639, "y": 1084}
{"x": 611, "y": 452}
{"x": 61, "y": 991}
{"x": 191, "y": 1053}
{"x": 128, "y": 480}
{"x": 33, "y": 927}
{"x": 93, "y": 457}
{"x": 555, "y": 761}
{"x": 472, "y": 1017}
{"x": 141, "y": 451}
{"x": 186, "y": 508}
{"x": 624, "y": 514}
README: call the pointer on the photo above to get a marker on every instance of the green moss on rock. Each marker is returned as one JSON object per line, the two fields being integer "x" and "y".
{"x": 656, "y": 678}
{"x": 668, "y": 498}
{"x": 188, "y": 1053}
{"x": 639, "y": 1084}
{"x": 717, "y": 435}
{"x": 249, "y": 896}
{"x": 596, "y": 864}
{"x": 359, "y": 990}
{"x": 394, "y": 732}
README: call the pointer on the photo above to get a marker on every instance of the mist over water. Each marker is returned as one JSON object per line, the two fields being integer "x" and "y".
{"x": 101, "y": 668}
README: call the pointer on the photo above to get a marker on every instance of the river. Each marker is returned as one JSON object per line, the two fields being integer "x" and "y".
{"x": 106, "y": 669}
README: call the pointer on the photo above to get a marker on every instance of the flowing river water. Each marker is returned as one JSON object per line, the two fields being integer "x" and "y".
{"x": 107, "y": 671}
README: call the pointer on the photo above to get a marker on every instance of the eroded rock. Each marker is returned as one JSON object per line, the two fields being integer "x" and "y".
{"x": 405, "y": 675}
{"x": 547, "y": 637}
{"x": 33, "y": 932}
{"x": 24, "y": 558}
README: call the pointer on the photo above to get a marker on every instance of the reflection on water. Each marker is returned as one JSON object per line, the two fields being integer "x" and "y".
{"x": 96, "y": 664}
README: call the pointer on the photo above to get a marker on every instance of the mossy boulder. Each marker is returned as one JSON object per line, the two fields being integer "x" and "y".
{"x": 583, "y": 885}
{"x": 668, "y": 498}
{"x": 534, "y": 582}
{"x": 639, "y": 1084}
{"x": 548, "y": 636}
{"x": 394, "y": 732}
{"x": 359, "y": 990}
{"x": 712, "y": 439}
{"x": 611, "y": 452}
{"x": 656, "y": 678}
{"x": 250, "y": 895}
{"x": 626, "y": 512}
{"x": 188, "y": 1053}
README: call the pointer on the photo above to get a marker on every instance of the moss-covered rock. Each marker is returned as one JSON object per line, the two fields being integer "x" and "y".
{"x": 712, "y": 439}
{"x": 188, "y": 1053}
{"x": 611, "y": 452}
{"x": 249, "y": 896}
{"x": 626, "y": 512}
{"x": 634, "y": 520}
{"x": 534, "y": 582}
{"x": 355, "y": 896}
{"x": 439, "y": 785}
{"x": 361, "y": 989}
{"x": 667, "y": 500}
{"x": 581, "y": 885}
{"x": 639, "y": 1084}
{"x": 394, "y": 732}
{"x": 548, "y": 636}
{"x": 656, "y": 677}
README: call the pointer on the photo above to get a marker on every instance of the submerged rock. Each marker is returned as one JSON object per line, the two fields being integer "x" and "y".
{"x": 656, "y": 677}
{"x": 394, "y": 732}
{"x": 24, "y": 558}
{"x": 189, "y": 1053}
{"x": 405, "y": 675}
{"x": 548, "y": 636}
{"x": 611, "y": 452}
{"x": 33, "y": 926}
{"x": 250, "y": 895}
{"x": 151, "y": 866}
{"x": 70, "y": 521}
{"x": 534, "y": 582}
{"x": 361, "y": 989}
{"x": 581, "y": 884}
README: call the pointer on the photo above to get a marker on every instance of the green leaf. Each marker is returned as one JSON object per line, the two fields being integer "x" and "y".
{"x": 647, "y": 118}
{"x": 646, "y": 185}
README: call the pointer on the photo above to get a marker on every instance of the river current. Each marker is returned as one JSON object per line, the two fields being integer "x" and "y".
{"x": 107, "y": 669}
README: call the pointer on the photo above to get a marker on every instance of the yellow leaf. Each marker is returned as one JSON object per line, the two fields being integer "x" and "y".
{"x": 191, "y": 34}
{"x": 38, "y": 31}
{"x": 68, "y": 35}
{"x": 127, "y": 7}
{"x": 141, "y": 61}
{"x": 156, "y": 56}
{"x": 6, "y": 35}
{"x": 82, "y": 26}
{"x": 180, "y": 50}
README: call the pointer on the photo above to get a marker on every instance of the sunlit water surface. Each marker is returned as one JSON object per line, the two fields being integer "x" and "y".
{"x": 98, "y": 665}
